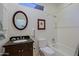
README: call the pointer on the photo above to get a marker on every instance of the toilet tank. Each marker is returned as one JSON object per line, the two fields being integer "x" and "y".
{"x": 43, "y": 43}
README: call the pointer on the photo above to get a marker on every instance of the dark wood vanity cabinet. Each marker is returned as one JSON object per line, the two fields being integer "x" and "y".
{"x": 19, "y": 49}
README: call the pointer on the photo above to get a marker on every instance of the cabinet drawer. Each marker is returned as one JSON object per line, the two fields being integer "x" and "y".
{"x": 21, "y": 46}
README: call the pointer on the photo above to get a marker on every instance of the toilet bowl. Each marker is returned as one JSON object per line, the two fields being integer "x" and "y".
{"x": 44, "y": 49}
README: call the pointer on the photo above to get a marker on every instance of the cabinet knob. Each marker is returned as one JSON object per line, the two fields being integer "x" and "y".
{"x": 19, "y": 50}
{"x": 22, "y": 50}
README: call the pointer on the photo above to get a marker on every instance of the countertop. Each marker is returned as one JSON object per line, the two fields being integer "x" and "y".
{"x": 12, "y": 43}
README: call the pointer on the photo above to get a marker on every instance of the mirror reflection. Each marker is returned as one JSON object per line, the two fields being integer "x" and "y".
{"x": 20, "y": 20}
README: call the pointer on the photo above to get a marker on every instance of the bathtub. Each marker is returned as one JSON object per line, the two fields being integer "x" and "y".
{"x": 62, "y": 50}
{"x": 57, "y": 51}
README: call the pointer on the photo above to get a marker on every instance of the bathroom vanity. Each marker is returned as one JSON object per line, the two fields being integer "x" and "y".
{"x": 19, "y": 49}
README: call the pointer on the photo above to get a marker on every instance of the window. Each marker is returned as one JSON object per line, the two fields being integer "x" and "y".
{"x": 33, "y": 5}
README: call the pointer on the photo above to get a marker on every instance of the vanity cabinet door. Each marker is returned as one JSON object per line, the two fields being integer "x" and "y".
{"x": 28, "y": 50}
{"x": 19, "y": 49}
{"x": 25, "y": 49}
{"x": 11, "y": 50}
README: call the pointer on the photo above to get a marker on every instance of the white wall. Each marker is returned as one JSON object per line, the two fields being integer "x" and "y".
{"x": 33, "y": 15}
{"x": 66, "y": 24}
{"x": 68, "y": 29}
{"x": 1, "y": 17}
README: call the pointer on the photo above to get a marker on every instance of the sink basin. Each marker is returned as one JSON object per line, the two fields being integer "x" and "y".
{"x": 19, "y": 41}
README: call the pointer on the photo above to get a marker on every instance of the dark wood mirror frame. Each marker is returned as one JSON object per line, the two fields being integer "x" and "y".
{"x": 14, "y": 19}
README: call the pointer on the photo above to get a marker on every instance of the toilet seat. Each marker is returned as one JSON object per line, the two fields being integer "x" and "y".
{"x": 47, "y": 51}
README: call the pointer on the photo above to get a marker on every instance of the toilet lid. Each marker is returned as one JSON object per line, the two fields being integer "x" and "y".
{"x": 47, "y": 51}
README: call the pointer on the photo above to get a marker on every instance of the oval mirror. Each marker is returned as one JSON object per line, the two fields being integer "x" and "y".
{"x": 20, "y": 20}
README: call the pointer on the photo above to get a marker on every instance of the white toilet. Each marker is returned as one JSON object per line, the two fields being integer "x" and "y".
{"x": 44, "y": 49}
